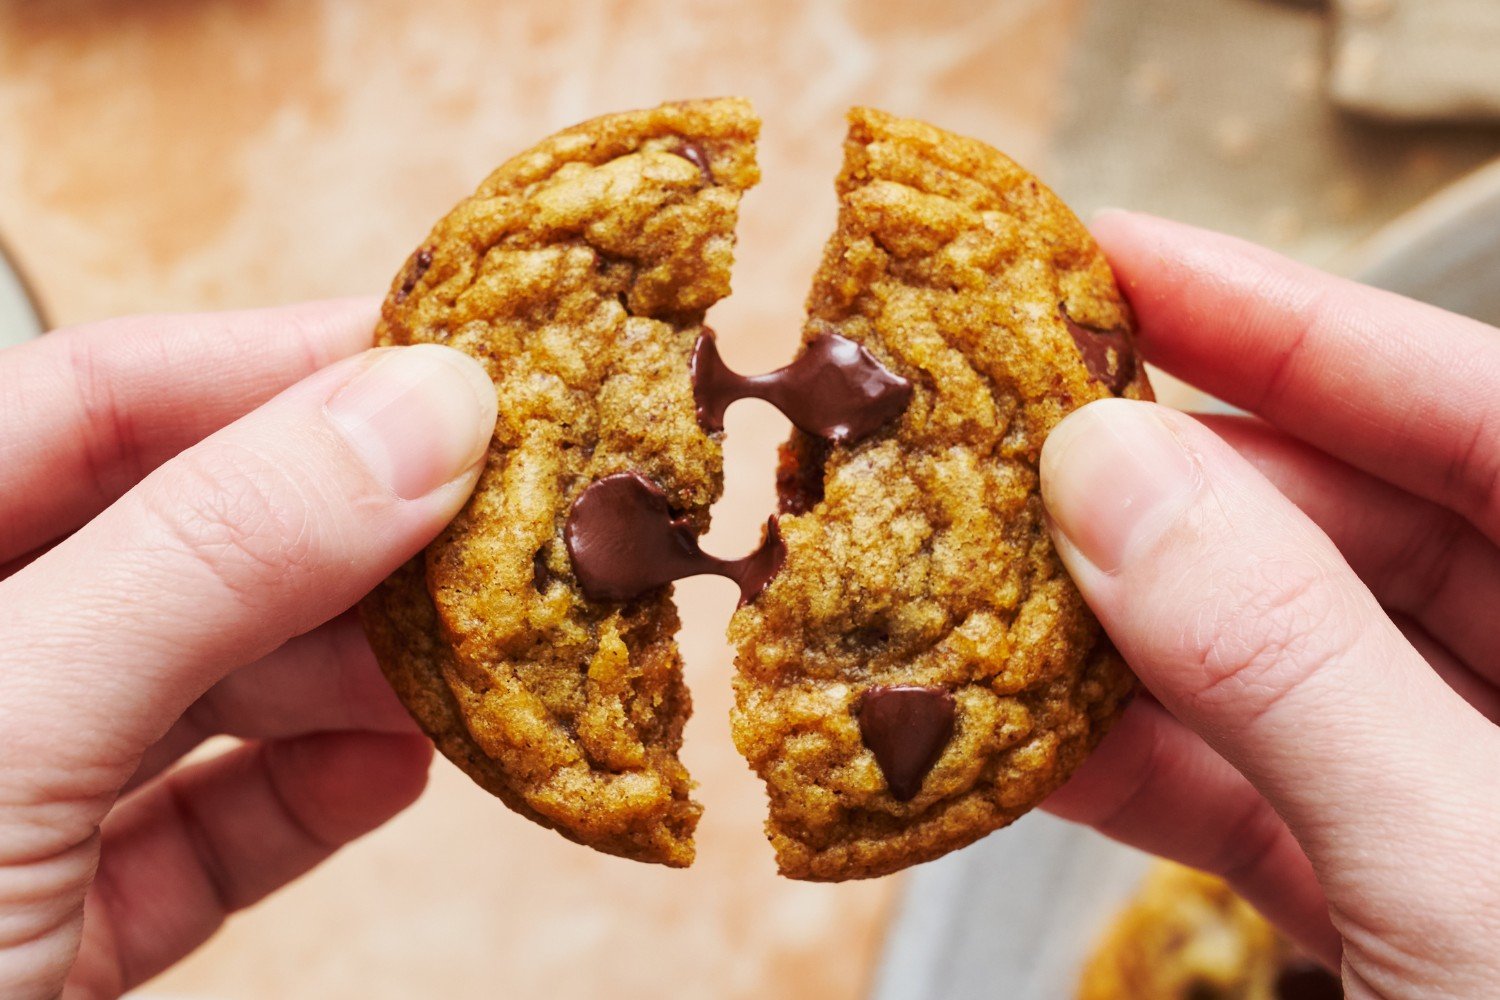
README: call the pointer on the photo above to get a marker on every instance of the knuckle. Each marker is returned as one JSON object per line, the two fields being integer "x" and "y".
{"x": 110, "y": 453}
{"x": 48, "y": 812}
{"x": 1264, "y": 633}
{"x": 1472, "y": 475}
{"x": 1320, "y": 313}
{"x": 238, "y": 516}
{"x": 42, "y": 906}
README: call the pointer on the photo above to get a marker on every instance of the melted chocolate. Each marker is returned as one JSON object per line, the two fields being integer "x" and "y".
{"x": 906, "y": 728}
{"x": 624, "y": 542}
{"x": 1304, "y": 979}
{"x": 799, "y": 474}
{"x": 1107, "y": 354}
{"x": 695, "y": 155}
{"x": 835, "y": 389}
{"x": 419, "y": 265}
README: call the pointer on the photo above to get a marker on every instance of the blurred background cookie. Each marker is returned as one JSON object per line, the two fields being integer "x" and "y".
{"x": 1187, "y": 936}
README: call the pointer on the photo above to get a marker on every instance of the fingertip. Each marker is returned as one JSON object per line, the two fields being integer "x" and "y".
{"x": 417, "y": 417}
{"x": 403, "y": 764}
{"x": 1110, "y": 218}
{"x": 1136, "y": 246}
{"x": 350, "y": 783}
{"x": 394, "y": 765}
{"x": 1112, "y": 473}
{"x": 1119, "y": 230}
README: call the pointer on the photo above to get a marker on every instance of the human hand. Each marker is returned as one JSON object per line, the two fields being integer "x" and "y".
{"x": 1308, "y": 597}
{"x": 142, "y": 611}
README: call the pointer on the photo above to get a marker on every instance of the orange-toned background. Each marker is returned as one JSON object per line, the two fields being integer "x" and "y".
{"x": 187, "y": 154}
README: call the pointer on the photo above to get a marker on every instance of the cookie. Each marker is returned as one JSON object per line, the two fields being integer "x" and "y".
{"x": 578, "y": 274}
{"x": 914, "y": 668}
{"x": 1187, "y": 936}
{"x": 922, "y": 671}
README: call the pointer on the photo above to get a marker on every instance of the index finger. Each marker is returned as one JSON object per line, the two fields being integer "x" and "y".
{"x": 1402, "y": 390}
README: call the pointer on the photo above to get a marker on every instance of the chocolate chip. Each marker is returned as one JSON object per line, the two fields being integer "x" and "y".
{"x": 694, "y": 154}
{"x": 1107, "y": 354}
{"x": 1304, "y": 979}
{"x": 541, "y": 573}
{"x": 420, "y": 262}
{"x": 835, "y": 389}
{"x": 906, "y": 727}
{"x": 625, "y": 542}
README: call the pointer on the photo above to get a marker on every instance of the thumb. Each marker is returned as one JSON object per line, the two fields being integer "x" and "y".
{"x": 260, "y": 532}
{"x": 1242, "y": 618}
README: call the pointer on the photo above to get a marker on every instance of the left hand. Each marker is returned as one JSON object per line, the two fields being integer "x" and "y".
{"x": 187, "y": 505}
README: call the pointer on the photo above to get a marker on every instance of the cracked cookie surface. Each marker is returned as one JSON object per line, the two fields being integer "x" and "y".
{"x": 578, "y": 274}
{"x": 919, "y": 571}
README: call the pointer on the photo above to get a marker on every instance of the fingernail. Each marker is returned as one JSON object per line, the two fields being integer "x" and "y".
{"x": 417, "y": 416}
{"x": 1113, "y": 476}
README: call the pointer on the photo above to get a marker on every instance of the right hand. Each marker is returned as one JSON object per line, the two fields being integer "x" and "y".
{"x": 1312, "y": 599}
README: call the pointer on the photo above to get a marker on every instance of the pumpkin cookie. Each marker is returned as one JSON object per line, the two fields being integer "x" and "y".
{"x": 921, "y": 670}
{"x": 1187, "y": 936}
{"x": 578, "y": 274}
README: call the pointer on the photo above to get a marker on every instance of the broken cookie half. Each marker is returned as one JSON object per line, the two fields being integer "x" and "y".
{"x": 578, "y": 274}
{"x": 922, "y": 670}
{"x": 915, "y": 668}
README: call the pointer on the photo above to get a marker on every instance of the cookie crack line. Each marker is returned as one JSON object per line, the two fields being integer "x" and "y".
{"x": 621, "y": 535}
{"x": 835, "y": 389}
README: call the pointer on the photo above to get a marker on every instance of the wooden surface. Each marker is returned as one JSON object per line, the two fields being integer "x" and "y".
{"x": 186, "y": 154}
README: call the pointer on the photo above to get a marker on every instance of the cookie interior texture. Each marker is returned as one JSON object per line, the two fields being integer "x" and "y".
{"x": 1187, "y": 936}
{"x": 918, "y": 557}
{"x": 578, "y": 274}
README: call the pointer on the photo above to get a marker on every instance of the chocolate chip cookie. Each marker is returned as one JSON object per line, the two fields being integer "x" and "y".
{"x": 914, "y": 667}
{"x": 578, "y": 274}
{"x": 1187, "y": 936}
{"x": 922, "y": 671}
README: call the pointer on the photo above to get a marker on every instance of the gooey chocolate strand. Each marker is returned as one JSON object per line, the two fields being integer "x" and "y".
{"x": 835, "y": 389}
{"x": 624, "y": 541}
{"x": 620, "y": 532}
